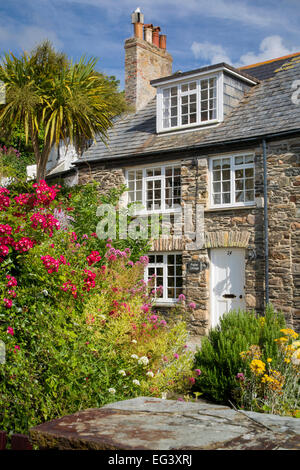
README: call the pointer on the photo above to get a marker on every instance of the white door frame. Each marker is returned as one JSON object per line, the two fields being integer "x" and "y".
{"x": 239, "y": 299}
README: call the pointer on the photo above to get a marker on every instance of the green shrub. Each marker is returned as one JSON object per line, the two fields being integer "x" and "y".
{"x": 75, "y": 314}
{"x": 219, "y": 358}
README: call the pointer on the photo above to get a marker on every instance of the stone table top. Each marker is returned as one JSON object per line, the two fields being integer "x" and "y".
{"x": 146, "y": 423}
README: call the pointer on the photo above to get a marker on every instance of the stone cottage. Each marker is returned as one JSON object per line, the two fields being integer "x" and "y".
{"x": 225, "y": 144}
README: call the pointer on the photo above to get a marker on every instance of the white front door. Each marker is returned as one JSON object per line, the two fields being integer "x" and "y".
{"x": 227, "y": 280}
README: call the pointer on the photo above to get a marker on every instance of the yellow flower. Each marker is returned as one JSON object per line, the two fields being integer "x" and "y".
{"x": 281, "y": 340}
{"x": 290, "y": 332}
{"x": 287, "y": 360}
{"x": 257, "y": 366}
{"x": 296, "y": 344}
{"x": 269, "y": 359}
{"x": 262, "y": 321}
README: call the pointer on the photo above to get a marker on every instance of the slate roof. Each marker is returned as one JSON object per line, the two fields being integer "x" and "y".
{"x": 265, "y": 70}
{"x": 266, "y": 109}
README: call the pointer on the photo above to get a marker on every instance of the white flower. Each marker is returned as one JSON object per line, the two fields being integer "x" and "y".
{"x": 136, "y": 382}
{"x": 150, "y": 373}
{"x": 134, "y": 341}
{"x": 296, "y": 358}
{"x": 134, "y": 356}
{"x": 112, "y": 390}
{"x": 164, "y": 395}
{"x": 122, "y": 372}
{"x": 102, "y": 317}
{"x": 143, "y": 360}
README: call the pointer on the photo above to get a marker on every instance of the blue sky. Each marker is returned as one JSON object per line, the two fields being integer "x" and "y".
{"x": 199, "y": 32}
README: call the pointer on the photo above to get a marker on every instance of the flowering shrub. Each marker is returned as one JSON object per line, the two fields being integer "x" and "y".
{"x": 272, "y": 385}
{"x": 76, "y": 316}
{"x": 219, "y": 358}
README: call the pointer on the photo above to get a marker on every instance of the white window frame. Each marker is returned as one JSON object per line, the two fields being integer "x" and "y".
{"x": 233, "y": 167}
{"x": 219, "y": 102}
{"x": 164, "y": 299}
{"x": 145, "y": 179}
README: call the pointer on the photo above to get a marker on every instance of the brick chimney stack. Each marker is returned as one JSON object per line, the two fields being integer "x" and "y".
{"x": 146, "y": 59}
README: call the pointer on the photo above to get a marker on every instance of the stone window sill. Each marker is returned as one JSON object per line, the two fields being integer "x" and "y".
{"x": 231, "y": 208}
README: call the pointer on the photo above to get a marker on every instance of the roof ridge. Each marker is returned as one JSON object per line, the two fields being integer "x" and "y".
{"x": 269, "y": 61}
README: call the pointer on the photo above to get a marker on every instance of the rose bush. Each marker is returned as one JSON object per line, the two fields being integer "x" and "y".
{"x": 76, "y": 315}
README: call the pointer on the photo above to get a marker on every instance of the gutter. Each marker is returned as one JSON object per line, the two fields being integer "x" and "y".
{"x": 266, "y": 223}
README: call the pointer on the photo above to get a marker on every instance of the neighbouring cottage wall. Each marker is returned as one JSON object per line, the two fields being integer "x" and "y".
{"x": 107, "y": 178}
{"x": 238, "y": 227}
{"x": 235, "y": 227}
{"x": 284, "y": 227}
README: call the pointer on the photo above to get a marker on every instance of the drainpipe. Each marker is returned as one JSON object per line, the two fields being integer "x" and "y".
{"x": 266, "y": 231}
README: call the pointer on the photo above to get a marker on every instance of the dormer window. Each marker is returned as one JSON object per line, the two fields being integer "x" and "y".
{"x": 199, "y": 98}
{"x": 189, "y": 103}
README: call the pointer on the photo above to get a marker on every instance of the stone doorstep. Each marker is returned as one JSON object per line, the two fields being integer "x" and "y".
{"x": 147, "y": 423}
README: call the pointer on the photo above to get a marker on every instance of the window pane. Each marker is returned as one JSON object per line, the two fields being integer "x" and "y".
{"x": 226, "y": 198}
{"x": 171, "y": 259}
{"x": 226, "y": 186}
{"x": 217, "y": 187}
{"x": 184, "y": 88}
{"x": 239, "y": 160}
{"x": 217, "y": 198}
{"x": 239, "y": 196}
{"x": 249, "y": 196}
{"x": 159, "y": 258}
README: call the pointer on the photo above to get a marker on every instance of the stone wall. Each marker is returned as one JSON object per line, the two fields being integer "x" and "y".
{"x": 239, "y": 227}
{"x": 143, "y": 62}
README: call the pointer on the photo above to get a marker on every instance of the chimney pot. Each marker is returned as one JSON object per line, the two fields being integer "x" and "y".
{"x": 137, "y": 19}
{"x": 162, "y": 41}
{"x": 155, "y": 36}
{"x": 137, "y": 16}
{"x": 148, "y": 32}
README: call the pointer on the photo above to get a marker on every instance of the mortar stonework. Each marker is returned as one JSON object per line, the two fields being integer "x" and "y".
{"x": 238, "y": 227}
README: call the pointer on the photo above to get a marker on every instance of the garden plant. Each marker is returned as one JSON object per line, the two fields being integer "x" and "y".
{"x": 76, "y": 315}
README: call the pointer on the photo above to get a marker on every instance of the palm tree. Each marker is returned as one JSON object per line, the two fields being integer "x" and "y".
{"x": 53, "y": 97}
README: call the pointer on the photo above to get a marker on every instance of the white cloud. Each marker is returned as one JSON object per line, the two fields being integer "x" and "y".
{"x": 213, "y": 53}
{"x": 270, "y": 47}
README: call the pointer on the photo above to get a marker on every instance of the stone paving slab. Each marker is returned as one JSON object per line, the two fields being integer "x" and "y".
{"x": 146, "y": 423}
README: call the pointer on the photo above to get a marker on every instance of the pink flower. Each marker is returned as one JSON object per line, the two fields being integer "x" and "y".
{"x": 176, "y": 356}
{"x": 198, "y": 371}
{"x": 12, "y": 293}
{"x": 17, "y": 348}
{"x": 192, "y": 380}
{"x": 93, "y": 258}
{"x": 7, "y": 303}
{"x": 6, "y": 229}
{"x": 240, "y": 376}
{"x": 24, "y": 244}
{"x": 10, "y": 331}
{"x": 181, "y": 298}
{"x": 145, "y": 308}
{"x": 12, "y": 281}
{"x": 192, "y": 305}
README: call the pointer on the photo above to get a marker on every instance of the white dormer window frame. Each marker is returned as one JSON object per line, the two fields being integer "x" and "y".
{"x": 193, "y": 102}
